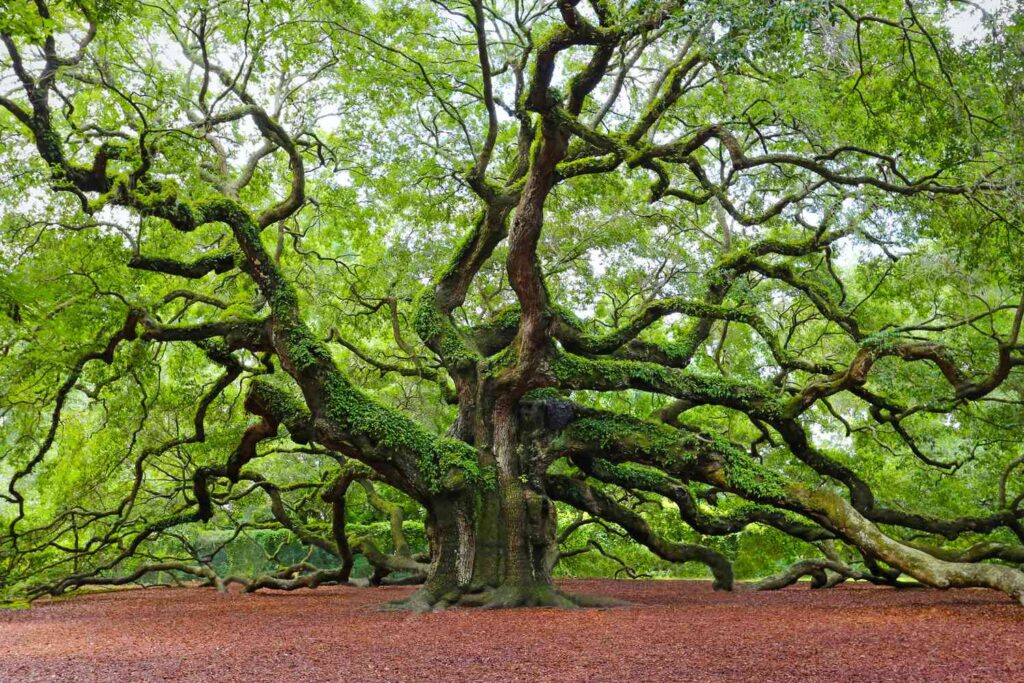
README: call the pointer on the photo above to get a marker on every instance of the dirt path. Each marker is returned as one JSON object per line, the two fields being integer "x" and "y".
{"x": 678, "y": 631}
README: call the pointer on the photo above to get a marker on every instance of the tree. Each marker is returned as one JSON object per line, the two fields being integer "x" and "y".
{"x": 506, "y": 259}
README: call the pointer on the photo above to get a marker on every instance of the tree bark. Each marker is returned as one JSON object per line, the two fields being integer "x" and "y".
{"x": 495, "y": 547}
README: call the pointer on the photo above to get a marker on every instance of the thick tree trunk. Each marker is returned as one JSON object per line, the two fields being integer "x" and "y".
{"x": 452, "y": 551}
{"x": 495, "y": 548}
{"x": 528, "y": 519}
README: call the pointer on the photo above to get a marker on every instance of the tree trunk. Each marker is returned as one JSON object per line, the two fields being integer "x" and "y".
{"x": 495, "y": 548}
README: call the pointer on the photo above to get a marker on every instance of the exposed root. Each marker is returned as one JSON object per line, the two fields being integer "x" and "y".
{"x": 529, "y": 595}
{"x": 504, "y": 597}
{"x": 424, "y": 600}
{"x": 543, "y": 595}
{"x": 595, "y": 600}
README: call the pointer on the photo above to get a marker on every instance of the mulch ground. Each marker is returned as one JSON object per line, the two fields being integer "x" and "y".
{"x": 672, "y": 631}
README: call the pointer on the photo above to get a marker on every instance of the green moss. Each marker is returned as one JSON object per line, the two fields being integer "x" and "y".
{"x": 286, "y": 407}
{"x": 461, "y": 251}
{"x": 439, "y": 333}
{"x": 627, "y": 434}
{"x": 160, "y": 198}
{"x": 630, "y": 475}
{"x": 588, "y": 165}
{"x": 443, "y": 463}
{"x": 673, "y": 450}
{"x": 283, "y": 298}
{"x": 304, "y": 350}
{"x": 426, "y": 318}
{"x": 569, "y": 318}
{"x": 506, "y": 318}
{"x": 607, "y": 375}
{"x": 545, "y": 394}
{"x": 156, "y": 198}
{"x": 506, "y": 358}
{"x": 494, "y": 335}
{"x": 225, "y": 210}
{"x": 746, "y": 475}
{"x": 355, "y": 468}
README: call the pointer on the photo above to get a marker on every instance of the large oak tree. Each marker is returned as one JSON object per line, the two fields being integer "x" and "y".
{"x": 757, "y": 261}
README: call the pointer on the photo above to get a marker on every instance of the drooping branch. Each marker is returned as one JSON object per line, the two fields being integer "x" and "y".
{"x": 596, "y": 502}
{"x": 697, "y": 456}
{"x": 816, "y": 569}
{"x": 128, "y": 332}
{"x": 647, "y": 479}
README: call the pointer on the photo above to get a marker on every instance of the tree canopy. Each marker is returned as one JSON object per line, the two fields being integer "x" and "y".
{"x": 523, "y": 279}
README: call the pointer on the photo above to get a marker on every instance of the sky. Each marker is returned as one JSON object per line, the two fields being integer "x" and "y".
{"x": 966, "y": 24}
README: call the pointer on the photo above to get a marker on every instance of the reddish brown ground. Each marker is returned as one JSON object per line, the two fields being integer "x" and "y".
{"x": 674, "y": 631}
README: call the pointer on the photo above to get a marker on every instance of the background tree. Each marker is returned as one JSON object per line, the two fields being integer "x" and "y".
{"x": 490, "y": 261}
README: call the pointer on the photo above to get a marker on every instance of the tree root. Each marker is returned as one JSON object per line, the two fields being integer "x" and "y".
{"x": 507, "y": 596}
{"x": 425, "y": 599}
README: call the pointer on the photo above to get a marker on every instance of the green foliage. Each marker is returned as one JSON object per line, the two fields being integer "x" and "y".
{"x": 720, "y": 307}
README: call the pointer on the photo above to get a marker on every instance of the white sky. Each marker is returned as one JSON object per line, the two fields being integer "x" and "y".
{"x": 966, "y": 24}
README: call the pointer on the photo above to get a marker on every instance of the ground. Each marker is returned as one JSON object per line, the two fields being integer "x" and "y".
{"x": 673, "y": 630}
